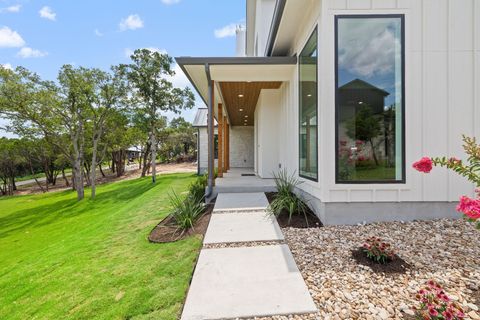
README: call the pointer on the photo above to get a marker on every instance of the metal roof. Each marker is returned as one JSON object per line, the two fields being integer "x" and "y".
{"x": 201, "y": 118}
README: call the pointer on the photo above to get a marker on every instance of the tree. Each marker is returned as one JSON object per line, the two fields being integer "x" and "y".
{"x": 179, "y": 143}
{"x": 109, "y": 94}
{"x": 10, "y": 160}
{"x": 153, "y": 93}
{"x": 365, "y": 127}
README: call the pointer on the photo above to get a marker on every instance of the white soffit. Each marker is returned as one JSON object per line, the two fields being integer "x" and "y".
{"x": 236, "y": 73}
{"x": 293, "y": 17}
{"x": 258, "y": 72}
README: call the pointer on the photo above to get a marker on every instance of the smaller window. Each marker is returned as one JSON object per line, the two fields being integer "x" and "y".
{"x": 307, "y": 87}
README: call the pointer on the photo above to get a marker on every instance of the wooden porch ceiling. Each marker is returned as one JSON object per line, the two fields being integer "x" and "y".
{"x": 241, "y": 99}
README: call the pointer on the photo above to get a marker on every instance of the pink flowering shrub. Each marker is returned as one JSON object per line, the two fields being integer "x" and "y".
{"x": 434, "y": 304}
{"x": 378, "y": 251}
{"x": 471, "y": 170}
{"x": 424, "y": 165}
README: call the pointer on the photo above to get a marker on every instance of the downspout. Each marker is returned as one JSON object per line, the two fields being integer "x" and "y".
{"x": 198, "y": 151}
{"x": 210, "y": 129}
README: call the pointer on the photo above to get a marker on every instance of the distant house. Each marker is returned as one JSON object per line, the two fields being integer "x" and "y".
{"x": 346, "y": 95}
{"x": 200, "y": 123}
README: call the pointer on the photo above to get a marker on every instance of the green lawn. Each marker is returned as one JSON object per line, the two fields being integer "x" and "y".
{"x": 63, "y": 259}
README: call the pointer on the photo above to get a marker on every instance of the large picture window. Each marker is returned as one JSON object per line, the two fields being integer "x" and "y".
{"x": 370, "y": 99}
{"x": 308, "y": 139}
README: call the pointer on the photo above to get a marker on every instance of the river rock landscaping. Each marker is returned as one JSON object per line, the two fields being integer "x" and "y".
{"x": 446, "y": 251}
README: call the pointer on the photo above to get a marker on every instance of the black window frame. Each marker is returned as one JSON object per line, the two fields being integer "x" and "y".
{"x": 315, "y": 30}
{"x": 402, "y": 28}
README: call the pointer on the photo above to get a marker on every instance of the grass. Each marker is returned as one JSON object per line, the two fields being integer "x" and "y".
{"x": 373, "y": 173}
{"x": 63, "y": 259}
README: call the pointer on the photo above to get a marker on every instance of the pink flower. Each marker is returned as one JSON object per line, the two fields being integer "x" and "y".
{"x": 432, "y": 311}
{"x": 447, "y": 315}
{"x": 470, "y": 207}
{"x": 423, "y": 165}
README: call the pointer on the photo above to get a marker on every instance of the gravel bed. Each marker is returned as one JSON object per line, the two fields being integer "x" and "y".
{"x": 227, "y": 211}
{"x": 447, "y": 251}
{"x": 242, "y": 244}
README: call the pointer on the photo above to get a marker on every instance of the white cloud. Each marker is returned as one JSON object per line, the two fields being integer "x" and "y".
{"x": 7, "y": 66}
{"x": 47, "y": 13}
{"x": 10, "y": 38}
{"x": 98, "y": 33}
{"x": 12, "y": 9}
{"x": 128, "y": 51}
{"x": 131, "y": 22}
{"x": 226, "y": 31}
{"x": 368, "y": 49}
{"x": 179, "y": 80}
{"x": 27, "y": 52}
{"x": 168, "y": 2}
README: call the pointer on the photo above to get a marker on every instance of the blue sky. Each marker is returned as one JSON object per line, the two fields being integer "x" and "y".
{"x": 44, "y": 35}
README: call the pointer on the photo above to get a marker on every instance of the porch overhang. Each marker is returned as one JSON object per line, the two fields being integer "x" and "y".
{"x": 230, "y": 88}
{"x": 234, "y": 69}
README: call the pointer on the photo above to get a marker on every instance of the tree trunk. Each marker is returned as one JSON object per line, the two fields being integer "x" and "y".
{"x": 146, "y": 164}
{"x": 101, "y": 170}
{"x": 373, "y": 152}
{"x": 113, "y": 162}
{"x": 118, "y": 158}
{"x": 154, "y": 157}
{"x": 78, "y": 173}
{"x": 65, "y": 178}
{"x": 34, "y": 177}
{"x": 93, "y": 167}
{"x": 14, "y": 186}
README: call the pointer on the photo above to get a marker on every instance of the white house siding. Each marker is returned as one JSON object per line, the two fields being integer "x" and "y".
{"x": 241, "y": 147}
{"x": 442, "y": 85}
{"x": 203, "y": 149}
{"x": 442, "y": 102}
{"x": 267, "y": 132}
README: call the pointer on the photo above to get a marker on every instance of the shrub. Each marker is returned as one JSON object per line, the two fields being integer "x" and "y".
{"x": 197, "y": 189}
{"x": 378, "y": 251}
{"x": 185, "y": 211}
{"x": 434, "y": 304}
{"x": 285, "y": 198}
{"x": 284, "y": 182}
{"x": 470, "y": 170}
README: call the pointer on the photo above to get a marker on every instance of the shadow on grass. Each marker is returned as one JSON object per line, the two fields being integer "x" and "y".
{"x": 110, "y": 196}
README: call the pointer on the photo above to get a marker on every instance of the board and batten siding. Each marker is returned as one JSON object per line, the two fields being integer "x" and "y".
{"x": 442, "y": 87}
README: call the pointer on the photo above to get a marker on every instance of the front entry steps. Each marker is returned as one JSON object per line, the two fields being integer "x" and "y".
{"x": 246, "y": 280}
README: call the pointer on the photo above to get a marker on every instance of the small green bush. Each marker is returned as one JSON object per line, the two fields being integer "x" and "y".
{"x": 185, "y": 211}
{"x": 197, "y": 189}
{"x": 285, "y": 198}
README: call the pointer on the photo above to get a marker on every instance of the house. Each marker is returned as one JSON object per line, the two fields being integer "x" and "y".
{"x": 200, "y": 123}
{"x": 347, "y": 94}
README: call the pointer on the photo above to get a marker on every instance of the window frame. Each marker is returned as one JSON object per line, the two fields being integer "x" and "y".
{"x": 337, "y": 107}
{"x": 315, "y": 30}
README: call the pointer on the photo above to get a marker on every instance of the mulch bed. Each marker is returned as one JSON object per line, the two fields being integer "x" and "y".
{"x": 167, "y": 231}
{"x": 395, "y": 266}
{"x": 298, "y": 220}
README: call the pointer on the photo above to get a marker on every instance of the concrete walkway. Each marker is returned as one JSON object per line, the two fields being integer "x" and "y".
{"x": 245, "y": 281}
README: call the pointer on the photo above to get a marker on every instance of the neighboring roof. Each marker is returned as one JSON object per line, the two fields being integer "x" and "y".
{"x": 358, "y": 84}
{"x": 201, "y": 118}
